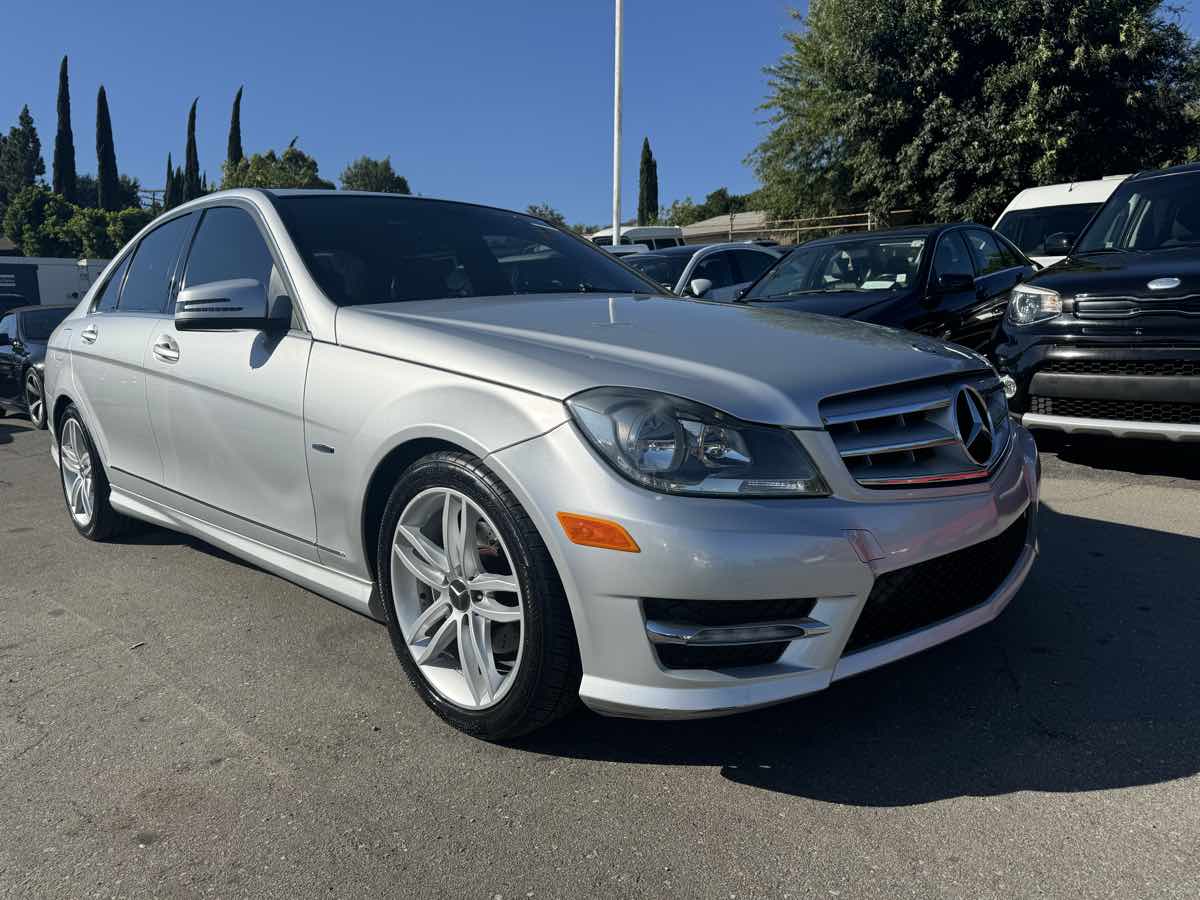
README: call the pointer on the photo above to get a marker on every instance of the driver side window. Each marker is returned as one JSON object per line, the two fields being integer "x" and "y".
{"x": 951, "y": 257}
{"x": 716, "y": 269}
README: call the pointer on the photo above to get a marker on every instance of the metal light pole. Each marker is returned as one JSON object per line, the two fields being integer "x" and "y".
{"x": 616, "y": 209}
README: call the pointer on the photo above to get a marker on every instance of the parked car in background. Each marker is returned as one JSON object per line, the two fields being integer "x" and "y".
{"x": 948, "y": 281}
{"x": 627, "y": 249}
{"x": 713, "y": 271}
{"x": 1044, "y": 221}
{"x": 1108, "y": 341}
{"x": 655, "y": 237}
{"x": 549, "y": 481}
{"x": 23, "y": 335}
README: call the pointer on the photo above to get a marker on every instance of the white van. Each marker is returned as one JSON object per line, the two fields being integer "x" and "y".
{"x": 655, "y": 237}
{"x": 46, "y": 281}
{"x": 1044, "y": 221}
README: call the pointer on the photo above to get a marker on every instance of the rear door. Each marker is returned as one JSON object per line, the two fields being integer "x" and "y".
{"x": 938, "y": 310}
{"x": 1000, "y": 267}
{"x": 109, "y": 350}
{"x": 227, "y": 406}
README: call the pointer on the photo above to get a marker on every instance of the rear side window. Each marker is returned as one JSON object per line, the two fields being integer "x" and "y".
{"x": 951, "y": 257}
{"x": 989, "y": 255}
{"x": 228, "y": 245}
{"x": 106, "y": 300}
{"x": 148, "y": 284}
{"x": 716, "y": 269}
{"x": 752, "y": 264}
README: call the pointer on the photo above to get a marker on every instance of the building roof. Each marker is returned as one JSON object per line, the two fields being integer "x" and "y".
{"x": 743, "y": 221}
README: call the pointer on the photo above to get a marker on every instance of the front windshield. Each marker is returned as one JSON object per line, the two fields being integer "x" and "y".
{"x": 855, "y": 264}
{"x": 663, "y": 269}
{"x": 1149, "y": 214}
{"x": 1029, "y": 228}
{"x": 39, "y": 324}
{"x": 387, "y": 249}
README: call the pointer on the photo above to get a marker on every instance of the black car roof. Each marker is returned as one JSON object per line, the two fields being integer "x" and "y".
{"x": 1169, "y": 170}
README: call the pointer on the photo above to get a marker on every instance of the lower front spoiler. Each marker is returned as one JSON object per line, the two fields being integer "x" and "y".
{"x": 1113, "y": 427}
{"x": 614, "y": 698}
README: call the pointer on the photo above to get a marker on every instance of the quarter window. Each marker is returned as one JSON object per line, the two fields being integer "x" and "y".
{"x": 988, "y": 255}
{"x": 148, "y": 284}
{"x": 106, "y": 300}
{"x": 228, "y": 245}
{"x": 716, "y": 269}
{"x": 951, "y": 257}
{"x": 752, "y": 264}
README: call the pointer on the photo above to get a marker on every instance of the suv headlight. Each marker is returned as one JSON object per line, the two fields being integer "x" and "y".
{"x": 1028, "y": 304}
{"x": 675, "y": 446}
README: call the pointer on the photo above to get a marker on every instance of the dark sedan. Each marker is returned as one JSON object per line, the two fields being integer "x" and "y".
{"x": 23, "y": 335}
{"x": 948, "y": 281}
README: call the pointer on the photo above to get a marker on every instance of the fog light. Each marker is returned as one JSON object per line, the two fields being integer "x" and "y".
{"x": 1009, "y": 385}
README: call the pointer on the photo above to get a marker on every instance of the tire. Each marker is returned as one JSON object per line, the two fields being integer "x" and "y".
{"x": 35, "y": 398}
{"x": 76, "y": 453}
{"x": 536, "y": 659}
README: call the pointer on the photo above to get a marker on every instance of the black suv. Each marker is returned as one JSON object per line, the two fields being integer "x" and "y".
{"x": 1108, "y": 340}
{"x": 949, "y": 281}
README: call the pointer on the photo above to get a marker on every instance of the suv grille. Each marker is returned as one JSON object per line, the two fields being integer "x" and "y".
{"x": 921, "y": 434}
{"x": 941, "y": 588}
{"x": 1122, "y": 410}
{"x": 1186, "y": 368}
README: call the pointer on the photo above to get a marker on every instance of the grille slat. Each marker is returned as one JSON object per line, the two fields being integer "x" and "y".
{"x": 930, "y": 592}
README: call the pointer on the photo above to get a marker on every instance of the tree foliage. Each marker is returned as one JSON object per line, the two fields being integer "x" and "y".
{"x": 293, "y": 169}
{"x": 949, "y": 108}
{"x": 42, "y": 223}
{"x": 87, "y": 192}
{"x": 547, "y": 212}
{"x": 63, "y": 177}
{"x": 718, "y": 203}
{"x": 233, "y": 150}
{"x": 21, "y": 160}
{"x": 647, "y": 213}
{"x": 107, "y": 180}
{"x": 191, "y": 160}
{"x": 366, "y": 174}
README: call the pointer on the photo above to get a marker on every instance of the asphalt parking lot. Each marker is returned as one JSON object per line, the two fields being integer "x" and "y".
{"x": 176, "y": 723}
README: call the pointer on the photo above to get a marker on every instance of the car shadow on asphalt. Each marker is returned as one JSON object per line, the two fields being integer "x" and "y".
{"x": 1140, "y": 457}
{"x": 9, "y": 427}
{"x": 1089, "y": 681}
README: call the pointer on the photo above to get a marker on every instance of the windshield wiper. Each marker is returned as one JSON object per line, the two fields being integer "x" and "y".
{"x": 585, "y": 288}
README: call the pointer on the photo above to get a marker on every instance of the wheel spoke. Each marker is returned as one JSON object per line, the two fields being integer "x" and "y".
{"x": 69, "y": 459}
{"x": 442, "y": 638}
{"x": 73, "y": 497}
{"x": 482, "y": 631}
{"x": 427, "y": 549}
{"x": 86, "y": 496}
{"x": 489, "y": 608}
{"x": 437, "y": 610}
{"x": 470, "y": 656}
{"x": 486, "y": 581}
{"x": 452, "y": 532}
{"x": 420, "y": 569}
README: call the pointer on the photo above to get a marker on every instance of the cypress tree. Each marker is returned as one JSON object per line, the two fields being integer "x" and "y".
{"x": 647, "y": 186}
{"x": 169, "y": 198}
{"x": 107, "y": 182}
{"x": 233, "y": 154}
{"x": 180, "y": 181}
{"x": 64, "y": 141}
{"x": 191, "y": 162}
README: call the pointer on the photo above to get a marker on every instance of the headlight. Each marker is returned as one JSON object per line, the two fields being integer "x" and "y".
{"x": 1028, "y": 304}
{"x": 676, "y": 446}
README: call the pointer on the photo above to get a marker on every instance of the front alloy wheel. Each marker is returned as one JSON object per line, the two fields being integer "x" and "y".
{"x": 79, "y": 485}
{"x": 35, "y": 398}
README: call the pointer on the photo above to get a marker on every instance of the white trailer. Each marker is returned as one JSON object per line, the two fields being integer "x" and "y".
{"x": 45, "y": 281}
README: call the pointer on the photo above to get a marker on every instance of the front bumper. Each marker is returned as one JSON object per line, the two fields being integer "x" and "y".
{"x": 830, "y": 550}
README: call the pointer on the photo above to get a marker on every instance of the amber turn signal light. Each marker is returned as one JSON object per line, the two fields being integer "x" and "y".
{"x": 588, "y": 531}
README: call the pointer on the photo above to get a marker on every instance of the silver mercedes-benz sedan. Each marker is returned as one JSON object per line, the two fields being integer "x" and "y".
{"x": 548, "y": 481}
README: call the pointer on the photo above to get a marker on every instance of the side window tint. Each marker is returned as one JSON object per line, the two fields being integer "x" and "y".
{"x": 951, "y": 257}
{"x": 716, "y": 269}
{"x": 988, "y": 257}
{"x": 148, "y": 284}
{"x": 752, "y": 264}
{"x": 228, "y": 245}
{"x": 106, "y": 299}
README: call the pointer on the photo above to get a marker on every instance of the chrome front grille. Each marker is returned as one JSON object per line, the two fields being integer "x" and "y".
{"x": 921, "y": 434}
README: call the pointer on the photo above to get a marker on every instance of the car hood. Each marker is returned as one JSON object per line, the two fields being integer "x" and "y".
{"x": 757, "y": 364}
{"x": 1124, "y": 274}
{"x": 835, "y": 303}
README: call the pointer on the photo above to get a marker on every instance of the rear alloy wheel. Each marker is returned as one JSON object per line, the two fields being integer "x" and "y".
{"x": 35, "y": 398}
{"x": 474, "y": 605}
{"x": 85, "y": 486}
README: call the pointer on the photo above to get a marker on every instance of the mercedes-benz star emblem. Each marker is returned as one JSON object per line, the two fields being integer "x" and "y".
{"x": 974, "y": 425}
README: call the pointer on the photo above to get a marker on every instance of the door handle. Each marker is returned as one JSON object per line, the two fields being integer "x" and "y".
{"x": 165, "y": 349}
{"x": 89, "y": 335}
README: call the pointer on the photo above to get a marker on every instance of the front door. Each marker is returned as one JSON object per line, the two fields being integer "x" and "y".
{"x": 227, "y": 406}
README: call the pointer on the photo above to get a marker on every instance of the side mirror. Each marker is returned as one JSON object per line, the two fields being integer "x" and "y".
{"x": 698, "y": 287}
{"x": 953, "y": 282}
{"x": 1059, "y": 243}
{"x": 220, "y": 305}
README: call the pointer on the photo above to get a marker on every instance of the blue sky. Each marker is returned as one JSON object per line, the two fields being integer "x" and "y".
{"x": 504, "y": 103}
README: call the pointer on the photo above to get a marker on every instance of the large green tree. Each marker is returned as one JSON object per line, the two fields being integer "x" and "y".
{"x": 950, "y": 107}
{"x": 647, "y": 212}
{"x": 107, "y": 180}
{"x": 233, "y": 150}
{"x": 63, "y": 177}
{"x": 87, "y": 193}
{"x": 366, "y": 174}
{"x": 21, "y": 160}
{"x": 292, "y": 169}
{"x": 191, "y": 159}
{"x": 36, "y": 221}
